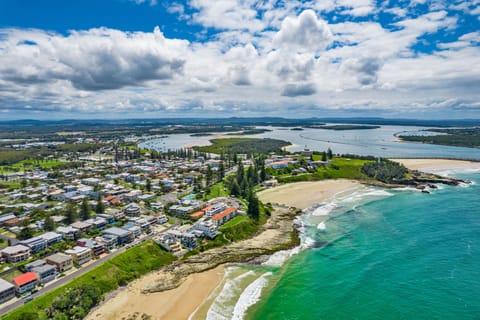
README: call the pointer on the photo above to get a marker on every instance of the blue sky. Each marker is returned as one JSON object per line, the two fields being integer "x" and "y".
{"x": 154, "y": 58}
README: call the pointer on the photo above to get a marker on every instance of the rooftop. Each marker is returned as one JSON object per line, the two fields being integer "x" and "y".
{"x": 25, "y": 278}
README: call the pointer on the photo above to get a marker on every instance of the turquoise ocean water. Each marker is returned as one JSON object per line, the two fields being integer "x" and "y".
{"x": 383, "y": 254}
{"x": 371, "y": 254}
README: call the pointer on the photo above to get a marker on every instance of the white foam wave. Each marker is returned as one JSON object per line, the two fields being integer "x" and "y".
{"x": 321, "y": 226}
{"x": 250, "y": 296}
{"x": 324, "y": 210}
{"x": 278, "y": 258}
{"x": 411, "y": 189}
{"x": 220, "y": 310}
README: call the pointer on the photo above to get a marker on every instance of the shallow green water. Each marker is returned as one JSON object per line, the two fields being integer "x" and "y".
{"x": 407, "y": 255}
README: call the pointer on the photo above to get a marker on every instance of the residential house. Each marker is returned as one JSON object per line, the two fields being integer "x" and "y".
{"x": 98, "y": 222}
{"x": 25, "y": 282}
{"x": 80, "y": 255}
{"x": 97, "y": 248}
{"x": 36, "y": 244}
{"x": 68, "y": 232}
{"x": 37, "y": 263}
{"x": 45, "y": 273}
{"x": 7, "y": 291}
{"x": 108, "y": 241}
{"x": 221, "y": 218}
{"x": 83, "y": 226}
{"x": 122, "y": 235}
{"x": 16, "y": 253}
{"x": 207, "y": 227}
{"x": 61, "y": 261}
{"x": 132, "y": 209}
{"x": 51, "y": 237}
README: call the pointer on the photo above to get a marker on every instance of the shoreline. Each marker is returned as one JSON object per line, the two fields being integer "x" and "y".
{"x": 179, "y": 290}
{"x": 436, "y": 165}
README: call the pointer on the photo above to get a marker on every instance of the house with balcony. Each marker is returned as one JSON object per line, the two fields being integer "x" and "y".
{"x": 45, "y": 273}
{"x": 62, "y": 262}
{"x": 123, "y": 236}
{"x": 80, "y": 255}
{"x": 25, "y": 282}
{"x": 7, "y": 291}
{"x": 36, "y": 244}
{"x": 16, "y": 253}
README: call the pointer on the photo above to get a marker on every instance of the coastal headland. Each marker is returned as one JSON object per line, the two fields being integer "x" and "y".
{"x": 178, "y": 290}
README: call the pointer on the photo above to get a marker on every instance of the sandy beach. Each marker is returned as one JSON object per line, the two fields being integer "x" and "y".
{"x": 178, "y": 303}
{"x": 305, "y": 194}
{"x": 438, "y": 165}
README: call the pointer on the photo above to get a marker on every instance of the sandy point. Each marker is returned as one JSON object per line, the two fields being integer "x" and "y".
{"x": 305, "y": 194}
{"x": 438, "y": 165}
{"x": 178, "y": 303}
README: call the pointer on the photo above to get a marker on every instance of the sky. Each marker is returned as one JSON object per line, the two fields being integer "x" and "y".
{"x": 91, "y": 59}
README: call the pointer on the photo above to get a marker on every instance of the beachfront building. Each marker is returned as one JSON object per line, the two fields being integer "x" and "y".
{"x": 123, "y": 236}
{"x": 108, "y": 241}
{"x": 15, "y": 254}
{"x": 45, "y": 273}
{"x": 207, "y": 228}
{"x": 37, "y": 263}
{"x": 25, "y": 282}
{"x": 80, "y": 255}
{"x": 214, "y": 209}
{"x": 221, "y": 218}
{"x": 7, "y": 291}
{"x": 97, "y": 248}
{"x": 61, "y": 261}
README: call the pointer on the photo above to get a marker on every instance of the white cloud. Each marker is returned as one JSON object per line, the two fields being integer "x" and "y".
{"x": 304, "y": 33}
{"x": 263, "y": 58}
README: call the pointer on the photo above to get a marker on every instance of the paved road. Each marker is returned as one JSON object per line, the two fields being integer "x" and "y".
{"x": 73, "y": 275}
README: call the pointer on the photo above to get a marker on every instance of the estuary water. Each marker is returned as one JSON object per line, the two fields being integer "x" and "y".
{"x": 381, "y": 142}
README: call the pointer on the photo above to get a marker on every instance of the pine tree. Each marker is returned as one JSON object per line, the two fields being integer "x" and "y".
{"x": 324, "y": 156}
{"x": 253, "y": 210}
{"x": 330, "y": 153}
{"x": 209, "y": 175}
{"x": 85, "y": 210}
{"x": 71, "y": 213}
{"x": 49, "y": 224}
{"x": 221, "y": 171}
{"x": 99, "y": 208}
{"x": 234, "y": 188}
{"x": 148, "y": 185}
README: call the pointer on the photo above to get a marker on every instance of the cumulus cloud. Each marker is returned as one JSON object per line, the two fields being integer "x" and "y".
{"x": 97, "y": 59}
{"x": 304, "y": 33}
{"x": 258, "y": 57}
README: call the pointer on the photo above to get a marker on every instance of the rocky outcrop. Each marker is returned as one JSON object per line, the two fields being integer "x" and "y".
{"x": 277, "y": 234}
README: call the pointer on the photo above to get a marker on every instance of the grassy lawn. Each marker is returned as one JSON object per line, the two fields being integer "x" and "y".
{"x": 9, "y": 276}
{"x": 29, "y": 165}
{"x": 243, "y": 145}
{"x": 10, "y": 185}
{"x": 232, "y": 223}
{"x": 338, "y": 168}
{"x": 116, "y": 272}
{"x": 217, "y": 190}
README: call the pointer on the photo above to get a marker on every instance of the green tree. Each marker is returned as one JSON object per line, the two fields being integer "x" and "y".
{"x": 71, "y": 213}
{"x": 329, "y": 153}
{"x": 49, "y": 224}
{"x": 85, "y": 210}
{"x": 253, "y": 210}
{"x": 324, "y": 156}
{"x": 209, "y": 175}
{"x": 24, "y": 183}
{"x": 234, "y": 188}
{"x": 221, "y": 171}
{"x": 148, "y": 185}
{"x": 99, "y": 208}
{"x": 25, "y": 233}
